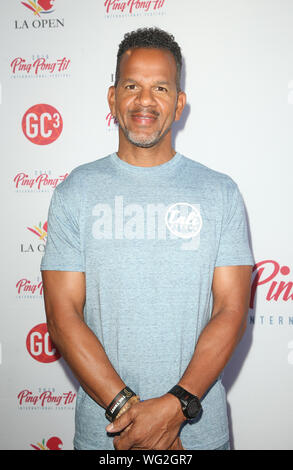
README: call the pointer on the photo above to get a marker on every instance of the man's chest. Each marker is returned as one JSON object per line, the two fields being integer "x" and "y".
{"x": 181, "y": 226}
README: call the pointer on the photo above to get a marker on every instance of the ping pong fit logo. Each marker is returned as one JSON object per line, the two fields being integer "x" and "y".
{"x": 39, "y": 6}
{"x": 179, "y": 220}
{"x": 46, "y": 399}
{"x": 39, "y": 67}
{"x": 28, "y": 289}
{"x": 40, "y": 346}
{"x": 42, "y": 124}
{"x": 54, "y": 443}
{"x": 270, "y": 281}
{"x": 40, "y": 181}
{"x": 266, "y": 274}
{"x": 133, "y": 6}
{"x": 111, "y": 121}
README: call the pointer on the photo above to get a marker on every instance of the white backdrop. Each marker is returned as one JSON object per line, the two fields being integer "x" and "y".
{"x": 238, "y": 76}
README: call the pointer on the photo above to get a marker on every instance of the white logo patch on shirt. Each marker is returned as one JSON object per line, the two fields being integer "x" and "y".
{"x": 183, "y": 220}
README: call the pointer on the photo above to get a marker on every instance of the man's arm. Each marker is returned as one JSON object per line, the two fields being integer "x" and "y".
{"x": 162, "y": 416}
{"x": 64, "y": 294}
{"x": 216, "y": 344}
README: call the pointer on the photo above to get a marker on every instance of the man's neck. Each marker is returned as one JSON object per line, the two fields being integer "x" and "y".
{"x": 140, "y": 156}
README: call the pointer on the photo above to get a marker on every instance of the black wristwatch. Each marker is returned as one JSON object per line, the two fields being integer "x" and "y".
{"x": 191, "y": 406}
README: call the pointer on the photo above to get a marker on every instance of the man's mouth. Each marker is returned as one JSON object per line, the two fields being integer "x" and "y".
{"x": 143, "y": 119}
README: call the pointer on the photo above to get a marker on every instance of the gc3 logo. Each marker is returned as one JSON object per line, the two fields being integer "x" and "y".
{"x": 40, "y": 346}
{"x": 42, "y": 124}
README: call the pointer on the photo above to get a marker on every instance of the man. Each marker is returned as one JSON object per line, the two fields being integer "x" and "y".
{"x": 147, "y": 271}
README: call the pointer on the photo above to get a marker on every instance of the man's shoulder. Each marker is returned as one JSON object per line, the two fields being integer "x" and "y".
{"x": 92, "y": 167}
{"x": 198, "y": 171}
{"x": 82, "y": 175}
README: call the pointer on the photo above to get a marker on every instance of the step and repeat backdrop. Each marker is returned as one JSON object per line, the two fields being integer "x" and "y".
{"x": 58, "y": 59}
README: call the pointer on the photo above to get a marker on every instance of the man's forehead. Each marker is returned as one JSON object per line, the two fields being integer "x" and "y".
{"x": 146, "y": 50}
{"x": 153, "y": 57}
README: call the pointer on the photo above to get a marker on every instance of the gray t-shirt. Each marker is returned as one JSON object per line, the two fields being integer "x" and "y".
{"x": 148, "y": 240}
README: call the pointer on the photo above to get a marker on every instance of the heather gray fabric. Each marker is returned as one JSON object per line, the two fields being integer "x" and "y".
{"x": 148, "y": 239}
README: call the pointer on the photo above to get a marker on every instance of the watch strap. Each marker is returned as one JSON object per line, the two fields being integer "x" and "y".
{"x": 181, "y": 393}
{"x": 185, "y": 397}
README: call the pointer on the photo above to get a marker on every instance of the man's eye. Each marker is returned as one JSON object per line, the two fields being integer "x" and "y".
{"x": 161, "y": 88}
{"x": 130, "y": 87}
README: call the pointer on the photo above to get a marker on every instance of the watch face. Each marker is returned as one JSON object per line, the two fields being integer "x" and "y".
{"x": 193, "y": 408}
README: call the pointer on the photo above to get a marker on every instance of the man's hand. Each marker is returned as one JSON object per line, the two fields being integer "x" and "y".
{"x": 151, "y": 424}
{"x": 177, "y": 445}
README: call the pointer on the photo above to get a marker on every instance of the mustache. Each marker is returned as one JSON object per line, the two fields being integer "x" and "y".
{"x": 144, "y": 111}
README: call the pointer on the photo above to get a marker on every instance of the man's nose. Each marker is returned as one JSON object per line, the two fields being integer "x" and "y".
{"x": 145, "y": 97}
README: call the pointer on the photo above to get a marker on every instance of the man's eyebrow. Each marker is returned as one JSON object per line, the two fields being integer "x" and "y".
{"x": 128, "y": 80}
{"x": 163, "y": 82}
{"x": 159, "y": 82}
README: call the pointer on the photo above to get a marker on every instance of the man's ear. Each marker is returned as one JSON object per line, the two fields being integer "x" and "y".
{"x": 111, "y": 100}
{"x": 181, "y": 102}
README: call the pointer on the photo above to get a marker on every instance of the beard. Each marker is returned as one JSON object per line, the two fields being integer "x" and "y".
{"x": 141, "y": 140}
{"x": 144, "y": 141}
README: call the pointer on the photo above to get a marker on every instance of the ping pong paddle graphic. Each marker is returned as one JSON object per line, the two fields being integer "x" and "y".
{"x": 46, "y": 4}
{"x": 39, "y": 6}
